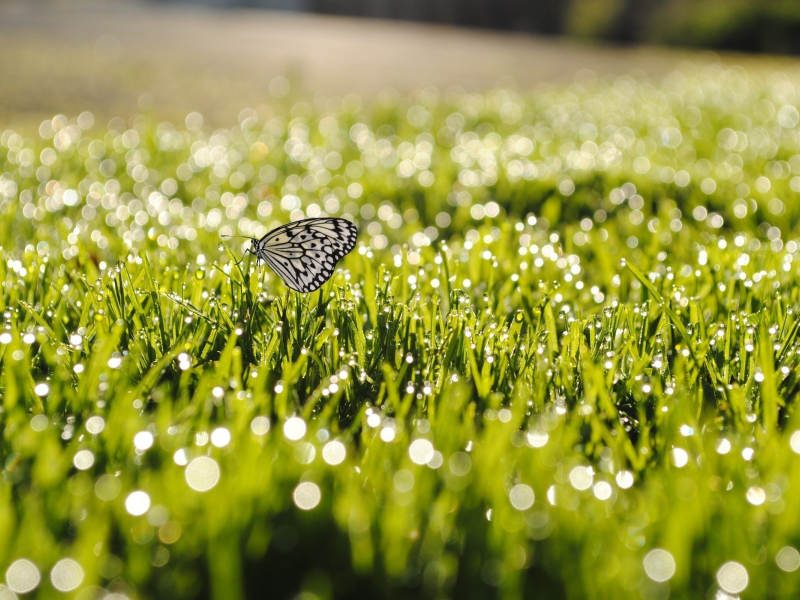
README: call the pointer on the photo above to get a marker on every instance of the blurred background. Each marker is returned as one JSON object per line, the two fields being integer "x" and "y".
{"x": 116, "y": 58}
{"x": 285, "y": 109}
{"x": 747, "y": 25}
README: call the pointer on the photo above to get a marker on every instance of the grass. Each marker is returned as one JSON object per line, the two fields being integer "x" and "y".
{"x": 562, "y": 362}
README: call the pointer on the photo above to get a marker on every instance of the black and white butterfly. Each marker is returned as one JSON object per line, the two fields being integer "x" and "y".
{"x": 305, "y": 253}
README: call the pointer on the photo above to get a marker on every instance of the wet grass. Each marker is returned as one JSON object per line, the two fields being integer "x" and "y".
{"x": 562, "y": 361}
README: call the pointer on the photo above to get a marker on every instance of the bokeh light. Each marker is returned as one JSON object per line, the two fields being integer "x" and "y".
{"x": 307, "y": 495}
{"x": 221, "y": 437}
{"x": 95, "y": 425}
{"x": 22, "y": 576}
{"x": 202, "y": 474}
{"x": 143, "y": 440}
{"x": 6, "y": 593}
{"x": 788, "y": 559}
{"x": 659, "y": 565}
{"x": 581, "y": 478}
{"x": 66, "y": 575}
{"x": 260, "y": 425}
{"x": 334, "y": 452}
{"x": 107, "y": 487}
{"x": 732, "y": 577}
{"x": 83, "y": 459}
{"x": 521, "y": 496}
{"x": 624, "y": 479}
{"x": 420, "y": 451}
{"x": 137, "y": 503}
{"x": 294, "y": 428}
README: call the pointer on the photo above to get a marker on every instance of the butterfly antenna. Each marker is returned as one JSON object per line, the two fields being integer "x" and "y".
{"x": 243, "y": 255}
{"x": 238, "y": 236}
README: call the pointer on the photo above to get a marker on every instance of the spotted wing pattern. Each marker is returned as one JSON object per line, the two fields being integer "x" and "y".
{"x": 305, "y": 253}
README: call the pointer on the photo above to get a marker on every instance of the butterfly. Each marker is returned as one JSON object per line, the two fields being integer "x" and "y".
{"x": 304, "y": 253}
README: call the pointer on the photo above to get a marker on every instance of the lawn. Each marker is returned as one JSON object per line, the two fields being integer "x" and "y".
{"x": 562, "y": 361}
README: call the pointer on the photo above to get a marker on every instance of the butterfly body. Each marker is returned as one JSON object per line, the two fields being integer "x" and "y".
{"x": 304, "y": 253}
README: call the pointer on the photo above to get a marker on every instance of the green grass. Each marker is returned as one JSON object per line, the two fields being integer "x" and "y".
{"x": 584, "y": 300}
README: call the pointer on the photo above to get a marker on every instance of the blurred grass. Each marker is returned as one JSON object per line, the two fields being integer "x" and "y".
{"x": 584, "y": 299}
{"x": 732, "y": 25}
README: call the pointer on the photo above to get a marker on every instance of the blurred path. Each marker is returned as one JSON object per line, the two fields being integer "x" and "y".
{"x": 67, "y": 57}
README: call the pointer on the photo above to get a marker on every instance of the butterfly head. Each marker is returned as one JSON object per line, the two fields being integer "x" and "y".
{"x": 251, "y": 250}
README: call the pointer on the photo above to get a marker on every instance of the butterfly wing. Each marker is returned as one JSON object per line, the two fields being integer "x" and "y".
{"x": 305, "y": 253}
